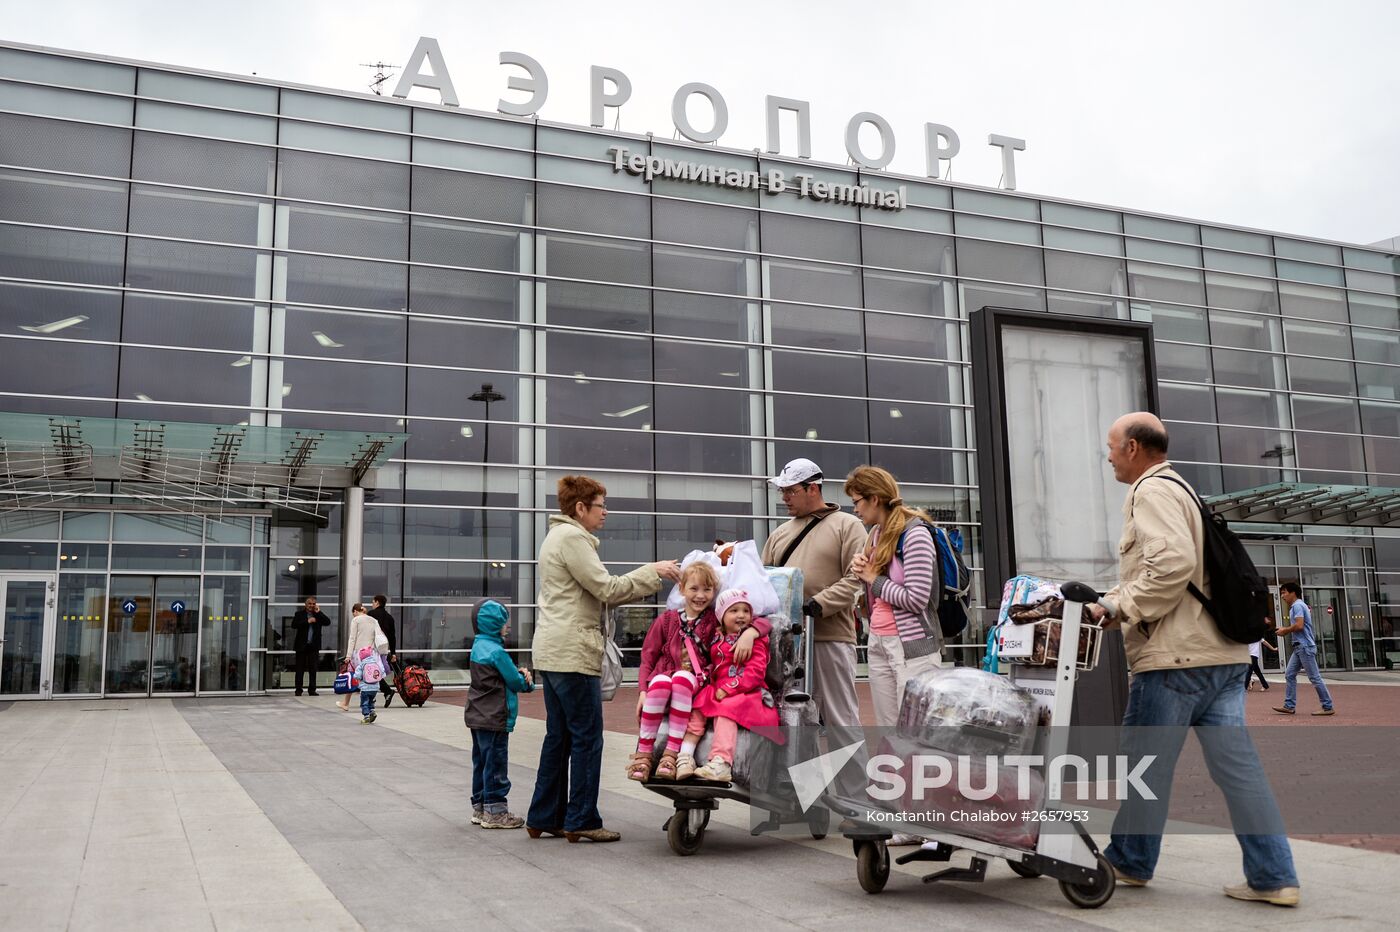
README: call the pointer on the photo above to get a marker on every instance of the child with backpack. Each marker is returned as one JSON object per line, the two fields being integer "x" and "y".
{"x": 490, "y": 714}
{"x": 369, "y": 670}
{"x": 673, "y": 666}
{"x": 734, "y": 698}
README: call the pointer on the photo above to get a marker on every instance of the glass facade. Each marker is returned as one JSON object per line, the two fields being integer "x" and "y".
{"x": 193, "y": 248}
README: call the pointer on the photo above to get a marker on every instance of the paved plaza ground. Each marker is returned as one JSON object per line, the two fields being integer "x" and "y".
{"x": 283, "y": 813}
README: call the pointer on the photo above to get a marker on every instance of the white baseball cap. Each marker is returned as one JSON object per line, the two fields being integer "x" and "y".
{"x": 796, "y": 473}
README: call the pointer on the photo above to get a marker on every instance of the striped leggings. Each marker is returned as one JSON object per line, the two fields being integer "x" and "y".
{"x": 674, "y": 692}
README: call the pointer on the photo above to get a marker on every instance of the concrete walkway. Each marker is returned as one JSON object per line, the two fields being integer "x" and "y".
{"x": 285, "y": 813}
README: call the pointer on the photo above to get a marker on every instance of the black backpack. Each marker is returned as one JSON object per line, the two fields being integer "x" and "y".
{"x": 949, "y": 598}
{"x": 1239, "y": 600}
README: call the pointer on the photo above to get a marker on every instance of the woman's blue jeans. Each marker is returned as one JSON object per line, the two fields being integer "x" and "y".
{"x": 571, "y": 759}
{"x": 1162, "y": 706}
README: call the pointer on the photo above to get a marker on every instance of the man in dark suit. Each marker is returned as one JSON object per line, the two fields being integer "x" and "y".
{"x": 380, "y": 613}
{"x": 307, "y": 625}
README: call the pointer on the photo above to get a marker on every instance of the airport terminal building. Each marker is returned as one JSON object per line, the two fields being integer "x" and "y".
{"x": 264, "y": 341}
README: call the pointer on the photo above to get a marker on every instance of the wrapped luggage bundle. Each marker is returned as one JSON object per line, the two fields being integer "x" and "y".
{"x": 960, "y": 710}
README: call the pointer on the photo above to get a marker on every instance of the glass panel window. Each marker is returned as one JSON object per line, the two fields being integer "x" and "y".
{"x": 213, "y": 92}
{"x": 1326, "y": 376}
{"x": 702, "y": 270}
{"x": 584, "y": 211}
{"x": 315, "y": 176}
{"x": 60, "y": 256}
{"x": 192, "y": 268}
{"x": 346, "y": 335}
{"x": 204, "y": 163}
{"x": 197, "y": 121}
{"x": 987, "y": 228}
{"x": 58, "y": 102}
{"x": 1315, "y": 339}
{"x": 1187, "y": 402}
{"x": 479, "y": 197}
{"x": 1306, "y": 272}
{"x": 1312, "y": 301}
{"x": 1236, "y": 239}
{"x": 1084, "y": 241}
{"x": 1163, "y": 252}
{"x": 26, "y": 197}
{"x": 47, "y": 68}
{"x": 889, "y": 291}
{"x": 1184, "y": 324}
{"x": 1245, "y": 331}
{"x": 998, "y": 205}
{"x": 68, "y": 147}
{"x": 79, "y": 525}
{"x": 220, "y": 218}
{"x": 493, "y": 130}
{"x": 1157, "y": 228}
{"x": 624, "y": 310}
{"x": 347, "y": 141}
{"x": 224, "y": 634}
{"x": 348, "y": 387}
{"x": 184, "y": 322}
{"x": 1235, "y": 262}
{"x": 704, "y": 224}
{"x": 1252, "y": 370}
{"x": 82, "y": 557}
{"x": 1182, "y": 363}
{"x": 1330, "y": 415}
{"x": 166, "y": 558}
{"x": 1310, "y": 252}
{"x": 818, "y": 373}
{"x": 346, "y": 282}
{"x": 1252, "y": 408}
{"x": 1000, "y": 262}
{"x": 1179, "y": 286}
{"x": 77, "y": 655}
{"x": 813, "y": 282}
{"x": 923, "y": 337}
{"x": 1072, "y": 215}
{"x": 1375, "y": 310}
{"x": 1378, "y": 381}
{"x": 593, "y": 259}
{"x": 904, "y": 249}
{"x": 454, "y": 293}
{"x": 151, "y": 527}
{"x": 347, "y": 232}
{"x": 28, "y": 555}
{"x": 788, "y": 235}
{"x": 1085, "y": 273}
{"x": 1245, "y": 294}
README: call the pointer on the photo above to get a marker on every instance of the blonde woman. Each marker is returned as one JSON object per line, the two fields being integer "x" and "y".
{"x": 362, "y": 631}
{"x": 899, "y": 568}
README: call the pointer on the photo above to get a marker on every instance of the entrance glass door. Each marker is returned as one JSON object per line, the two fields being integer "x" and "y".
{"x": 152, "y": 634}
{"x": 26, "y": 626}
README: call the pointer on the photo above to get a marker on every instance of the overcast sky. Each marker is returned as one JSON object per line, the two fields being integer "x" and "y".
{"x": 1276, "y": 115}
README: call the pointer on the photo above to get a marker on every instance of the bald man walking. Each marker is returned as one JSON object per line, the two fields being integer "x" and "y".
{"x": 1185, "y": 674}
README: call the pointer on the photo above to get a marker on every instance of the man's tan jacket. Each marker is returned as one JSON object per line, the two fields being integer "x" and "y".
{"x": 825, "y": 557}
{"x": 1164, "y": 625}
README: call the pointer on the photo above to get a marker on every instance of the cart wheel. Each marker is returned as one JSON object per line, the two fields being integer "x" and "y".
{"x": 686, "y": 830}
{"x": 819, "y": 822}
{"x": 872, "y": 866}
{"x": 1094, "y": 893}
{"x": 1021, "y": 869}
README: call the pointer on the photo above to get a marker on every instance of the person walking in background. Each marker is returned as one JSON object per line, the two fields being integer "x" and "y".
{"x": 380, "y": 613}
{"x": 1256, "y": 658}
{"x": 1186, "y": 675}
{"x": 575, "y": 591}
{"x": 490, "y": 713}
{"x": 1302, "y": 653}
{"x": 362, "y": 631}
{"x": 307, "y": 625}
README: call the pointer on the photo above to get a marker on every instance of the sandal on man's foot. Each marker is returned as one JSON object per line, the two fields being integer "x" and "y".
{"x": 665, "y": 768}
{"x": 639, "y": 767}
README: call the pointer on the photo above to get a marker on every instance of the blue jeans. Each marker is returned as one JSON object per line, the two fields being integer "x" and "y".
{"x": 367, "y": 694}
{"x": 571, "y": 758}
{"x": 1305, "y": 657}
{"x": 1162, "y": 706}
{"x": 490, "y": 774}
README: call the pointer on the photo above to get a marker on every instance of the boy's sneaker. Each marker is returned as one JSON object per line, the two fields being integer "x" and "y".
{"x": 501, "y": 820}
{"x": 685, "y": 767}
{"x": 365, "y": 720}
{"x": 477, "y": 816}
{"x": 717, "y": 769}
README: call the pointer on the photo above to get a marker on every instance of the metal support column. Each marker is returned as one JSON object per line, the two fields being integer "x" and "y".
{"x": 352, "y": 552}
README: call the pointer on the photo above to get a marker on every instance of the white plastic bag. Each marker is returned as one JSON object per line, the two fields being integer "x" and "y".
{"x": 611, "y": 677}
{"x": 745, "y": 571}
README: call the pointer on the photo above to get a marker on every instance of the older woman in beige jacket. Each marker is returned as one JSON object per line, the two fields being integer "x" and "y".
{"x": 575, "y": 590}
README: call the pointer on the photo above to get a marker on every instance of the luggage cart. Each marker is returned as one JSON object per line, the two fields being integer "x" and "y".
{"x": 1085, "y": 875}
{"x": 694, "y": 799}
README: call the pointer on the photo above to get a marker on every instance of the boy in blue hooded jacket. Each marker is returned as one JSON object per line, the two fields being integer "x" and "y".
{"x": 490, "y": 714}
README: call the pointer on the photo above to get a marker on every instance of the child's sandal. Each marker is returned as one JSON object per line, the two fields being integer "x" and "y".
{"x": 666, "y": 768}
{"x": 639, "y": 767}
{"x": 685, "y": 767}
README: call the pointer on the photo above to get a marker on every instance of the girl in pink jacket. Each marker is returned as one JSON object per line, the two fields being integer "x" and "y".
{"x": 673, "y": 665}
{"x": 733, "y": 697}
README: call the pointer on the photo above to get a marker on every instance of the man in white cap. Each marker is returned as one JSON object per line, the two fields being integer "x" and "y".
{"x": 822, "y": 540}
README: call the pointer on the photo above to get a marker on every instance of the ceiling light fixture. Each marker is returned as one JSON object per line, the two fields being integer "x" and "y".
{"x": 141, "y": 397}
{"x": 242, "y": 361}
{"x": 895, "y": 412}
{"x": 811, "y": 433}
{"x": 325, "y": 340}
{"x": 626, "y": 412}
{"x": 466, "y": 430}
{"x": 286, "y": 389}
{"x": 55, "y": 326}
{"x": 579, "y": 379}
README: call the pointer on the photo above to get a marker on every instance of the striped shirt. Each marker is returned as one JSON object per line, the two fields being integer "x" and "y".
{"x": 907, "y": 583}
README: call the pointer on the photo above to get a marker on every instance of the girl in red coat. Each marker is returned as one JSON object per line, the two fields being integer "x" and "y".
{"x": 734, "y": 695}
{"x": 674, "y": 661}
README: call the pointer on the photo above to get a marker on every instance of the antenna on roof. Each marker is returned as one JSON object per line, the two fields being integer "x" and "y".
{"x": 381, "y": 75}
